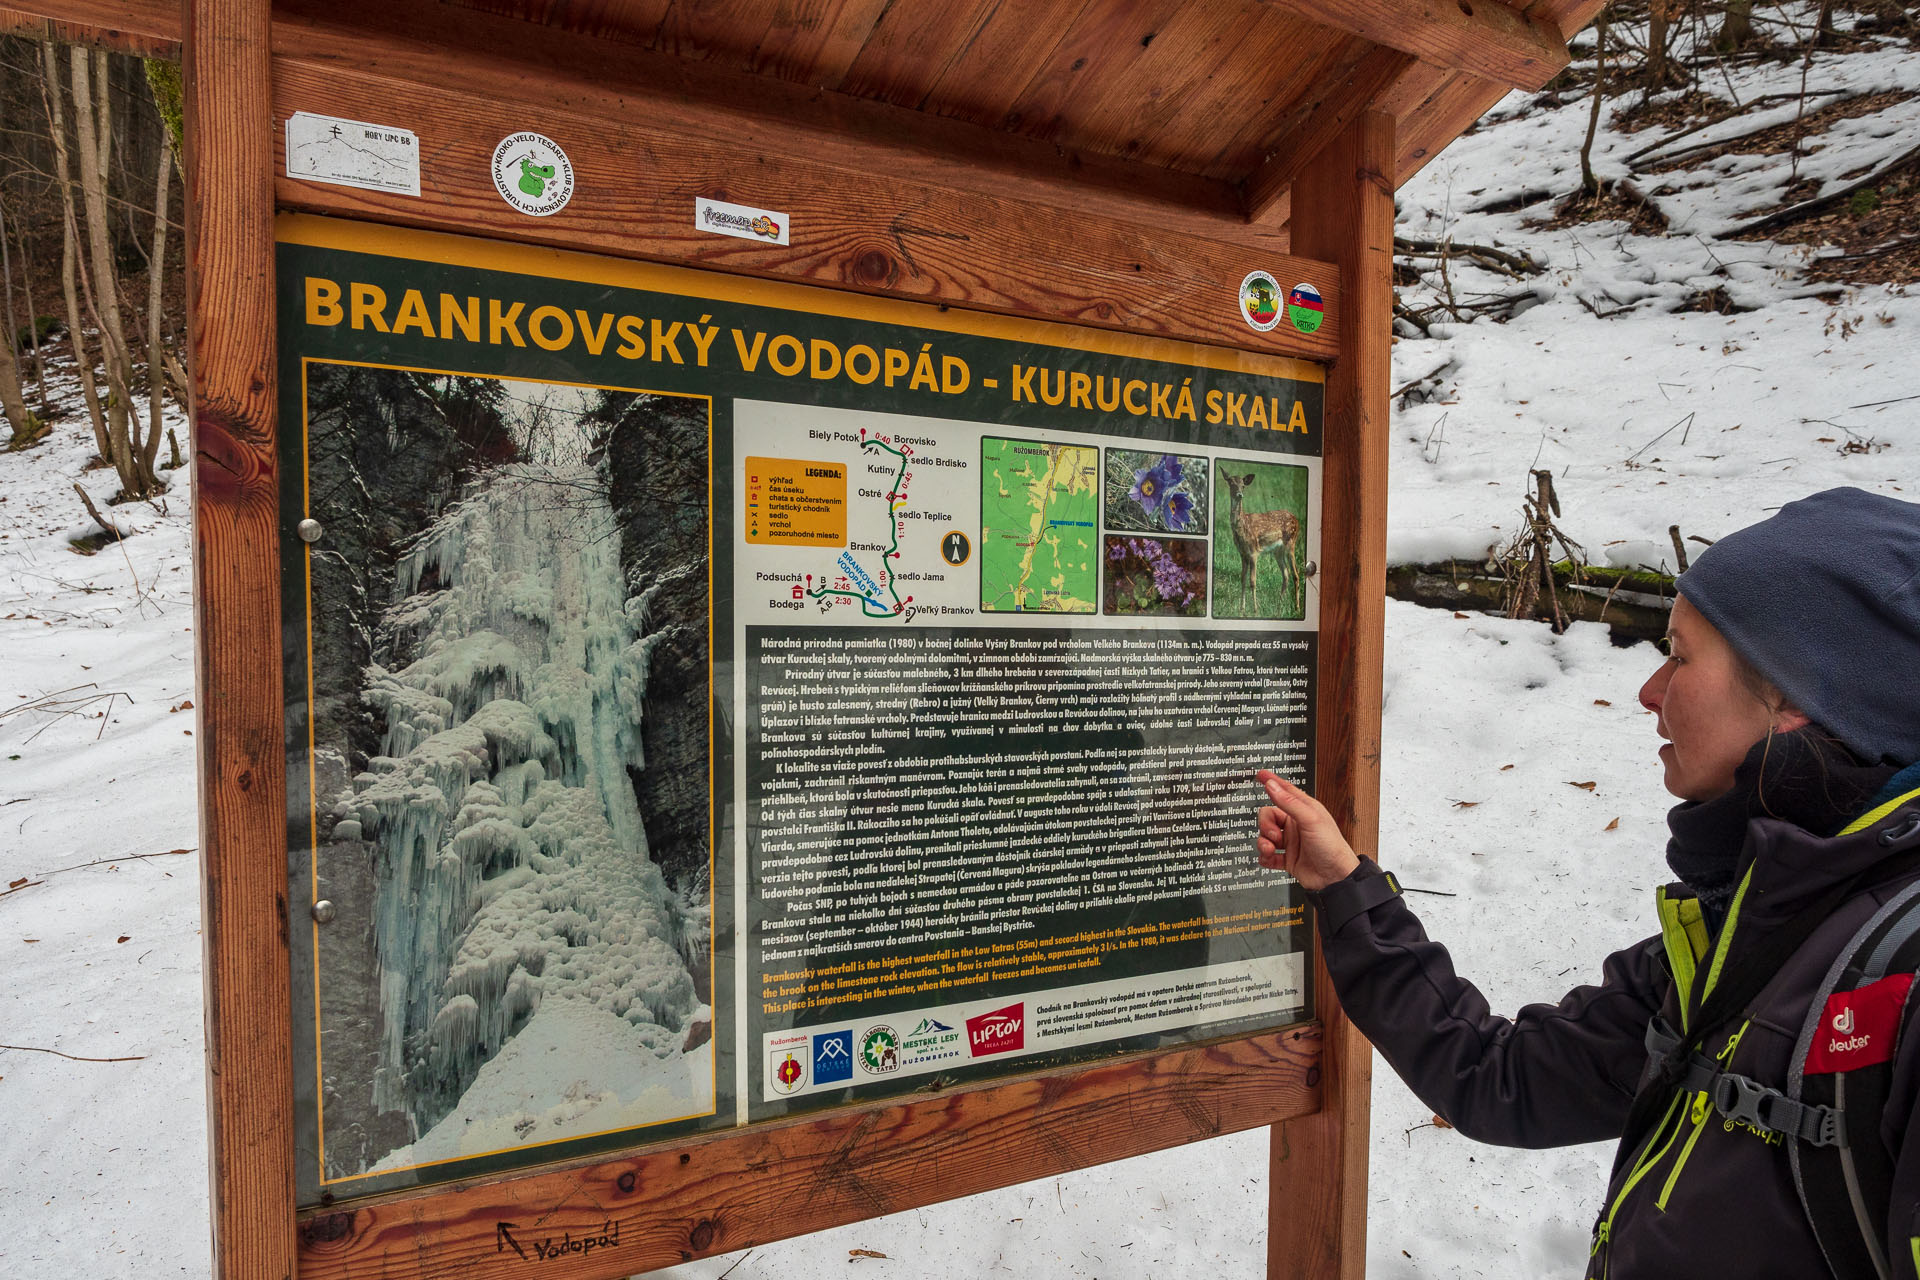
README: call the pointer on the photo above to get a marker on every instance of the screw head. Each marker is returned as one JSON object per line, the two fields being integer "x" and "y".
{"x": 309, "y": 530}
{"x": 324, "y": 911}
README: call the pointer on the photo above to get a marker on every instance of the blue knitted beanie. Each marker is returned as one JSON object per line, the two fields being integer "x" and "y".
{"x": 1823, "y": 598}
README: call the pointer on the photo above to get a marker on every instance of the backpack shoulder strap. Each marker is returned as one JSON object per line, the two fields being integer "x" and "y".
{"x": 1843, "y": 1060}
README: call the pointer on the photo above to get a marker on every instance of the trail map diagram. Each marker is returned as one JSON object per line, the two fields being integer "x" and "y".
{"x": 1039, "y": 534}
{"x": 876, "y": 590}
{"x": 350, "y": 153}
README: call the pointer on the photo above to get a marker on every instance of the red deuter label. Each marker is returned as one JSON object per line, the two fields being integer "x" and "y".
{"x": 1857, "y": 1028}
{"x": 999, "y": 1031}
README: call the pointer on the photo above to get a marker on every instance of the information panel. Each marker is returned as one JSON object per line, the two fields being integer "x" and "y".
{"x": 710, "y": 699}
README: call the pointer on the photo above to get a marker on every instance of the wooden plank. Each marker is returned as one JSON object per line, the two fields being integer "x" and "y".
{"x": 984, "y": 80}
{"x": 1103, "y": 42}
{"x": 144, "y": 28}
{"x": 1343, "y": 210}
{"x": 1323, "y": 118}
{"x": 689, "y": 1200}
{"x": 704, "y": 101}
{"x": 1226, "y": 128}
{"x": 910, "y": 47}
{"x": 903, "y": 236}
{"x": 1124, "y": 106}
{"x": 814, "y": 42}
{"x": 236, "y": 563}
{"x": 1484, "y": 37}
{"x": 1455, "y": 104}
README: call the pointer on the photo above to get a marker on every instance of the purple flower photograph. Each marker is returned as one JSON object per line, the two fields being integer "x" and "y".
{"x": 1155, "y": 492}
{"x": 1156, "y": 576}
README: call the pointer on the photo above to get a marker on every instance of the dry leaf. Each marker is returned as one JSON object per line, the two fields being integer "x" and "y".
{"x": 15, "y": 884}
{"x": 865, "y": 1253}
{"x": 125, "y": 937}
{"x": 1440, "y": 1122}
{"x": 1601, "y": 702}
{"x": 29, "y": 939}
{"x": 1613, "y": 826}
{"x": 1505, "y": 767}
{"x": 1461, "y": 616}
{"x": 184, "y": 706}
{"x": 1466, "y": 804}
{"x": 1584, "y": 786}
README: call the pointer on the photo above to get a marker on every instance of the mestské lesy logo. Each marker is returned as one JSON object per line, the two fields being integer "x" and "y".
{"x": 1000, "y": 1031}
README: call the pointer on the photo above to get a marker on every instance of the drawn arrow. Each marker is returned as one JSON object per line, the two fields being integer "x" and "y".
{"x": 503, "y": 1239}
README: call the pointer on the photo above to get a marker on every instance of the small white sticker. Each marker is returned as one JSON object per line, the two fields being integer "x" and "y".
{"x": 532, "y": 174}
{"x": 726, "y": 219}
{"x": 352, "y": 153}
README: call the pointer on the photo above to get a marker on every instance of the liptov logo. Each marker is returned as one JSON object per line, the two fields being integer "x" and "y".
{"x": 1000, "y": 1031}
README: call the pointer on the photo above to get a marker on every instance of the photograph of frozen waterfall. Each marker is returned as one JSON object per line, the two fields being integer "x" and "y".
{"x": 499, "y": 769}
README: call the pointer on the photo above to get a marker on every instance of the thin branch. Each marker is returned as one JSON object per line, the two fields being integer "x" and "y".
{"x": 70, "y": 1057}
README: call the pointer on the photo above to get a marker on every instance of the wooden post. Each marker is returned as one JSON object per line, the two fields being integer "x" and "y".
{"x": 236, "y": 560}
{"x": 1343, "y": 213}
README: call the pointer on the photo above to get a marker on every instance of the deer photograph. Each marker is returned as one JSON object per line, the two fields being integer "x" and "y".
{"x": 1262, "y": 516}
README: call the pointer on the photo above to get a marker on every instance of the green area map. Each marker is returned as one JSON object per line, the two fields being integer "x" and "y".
{"x": 1039, "y": 527}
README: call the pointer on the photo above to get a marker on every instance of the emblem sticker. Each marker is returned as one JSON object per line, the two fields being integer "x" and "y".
{"x": 1304, "y": 308}
{"x": 880, "y": 1050}
{"x": 1001, "y": 1031}
{"x": 786, "y": 1063}
{"x": 532, "y": 174}
{"x": 1260, "y": 300}
{"x": 833, "y": 1057}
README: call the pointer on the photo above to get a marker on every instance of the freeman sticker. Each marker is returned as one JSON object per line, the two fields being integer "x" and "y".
{"x": 1304, "y": 308}
{"x": 1260, "y": 300}
{"x": 740, "y": 220}
{"x": 532, "y": 174}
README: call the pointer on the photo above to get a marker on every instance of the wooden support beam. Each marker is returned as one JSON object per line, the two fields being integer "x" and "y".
{"x": 145, "y": 28}
{"x": 864, "y": 216}
{"x": 1343, "y": 210}
{"x": 1483, "y": 37}
{"x": 236, "y": 563}
{"x": 688, "y": 1200}
{"x": 1331, "y": 108}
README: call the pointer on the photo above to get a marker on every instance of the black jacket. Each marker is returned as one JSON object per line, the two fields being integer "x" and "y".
{"x": 1700, "y": 1197}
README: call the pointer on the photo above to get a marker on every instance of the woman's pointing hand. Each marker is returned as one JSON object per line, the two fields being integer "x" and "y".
{"x": 1299, "y": 836}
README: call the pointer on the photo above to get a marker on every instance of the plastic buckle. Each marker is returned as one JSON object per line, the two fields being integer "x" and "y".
{"x": 1738, "y": 1098}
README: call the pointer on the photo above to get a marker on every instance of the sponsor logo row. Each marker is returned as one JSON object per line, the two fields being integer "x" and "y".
{"x": 800, "y": 1059}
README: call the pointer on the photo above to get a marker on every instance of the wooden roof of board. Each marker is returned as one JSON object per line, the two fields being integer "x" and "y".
{"x": 1205, "y": 107}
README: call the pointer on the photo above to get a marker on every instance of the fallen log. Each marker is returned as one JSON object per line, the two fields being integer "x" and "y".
{"x": 1632, "y": 603}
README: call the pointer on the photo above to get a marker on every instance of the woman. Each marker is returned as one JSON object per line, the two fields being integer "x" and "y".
{"x": 1790, "y": 709}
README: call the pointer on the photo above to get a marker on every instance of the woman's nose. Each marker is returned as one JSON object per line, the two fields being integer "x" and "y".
{"x": 1654, "y": 691}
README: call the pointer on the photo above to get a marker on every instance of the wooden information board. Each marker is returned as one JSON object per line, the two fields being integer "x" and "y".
{"x": 744, "y": 558}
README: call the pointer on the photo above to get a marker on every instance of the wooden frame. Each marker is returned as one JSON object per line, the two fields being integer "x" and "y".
{"x": 949, "y": 212}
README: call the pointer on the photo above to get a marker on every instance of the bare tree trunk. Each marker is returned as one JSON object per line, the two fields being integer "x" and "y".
{"x": 1590, "y": 185}
{"x": 156, "y": 277}
{"x": 1658, "y": 25}
{"x": 1736, "y": 26}
{"x": 33, "y": 328}
{"x": 92, "y": 121}
{"x": 56, "y": 117}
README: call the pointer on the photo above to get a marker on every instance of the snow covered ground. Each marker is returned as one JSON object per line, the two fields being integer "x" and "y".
{"x": 1648, "y": 417}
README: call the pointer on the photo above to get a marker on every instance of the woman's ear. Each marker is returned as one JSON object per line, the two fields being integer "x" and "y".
{"x": 1788, "y": 718}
